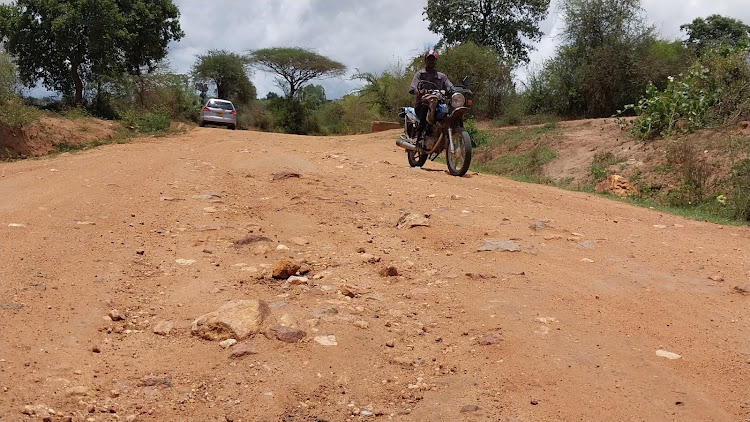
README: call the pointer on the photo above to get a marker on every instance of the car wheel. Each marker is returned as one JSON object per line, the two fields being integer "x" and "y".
{"x": 201, "y": 124}
{"x": 232, "y": 127}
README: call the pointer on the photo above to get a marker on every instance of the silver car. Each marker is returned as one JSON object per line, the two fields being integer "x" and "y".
{"x": 219, "y": 112}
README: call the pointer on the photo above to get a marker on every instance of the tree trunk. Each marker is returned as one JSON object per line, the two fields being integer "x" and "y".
{"x": 78, "y": 99}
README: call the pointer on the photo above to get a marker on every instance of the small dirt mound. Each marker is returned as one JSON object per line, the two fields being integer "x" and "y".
{"x": 41, "y": 137}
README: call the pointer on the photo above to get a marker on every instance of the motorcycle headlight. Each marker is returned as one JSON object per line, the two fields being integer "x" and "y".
{"x": 458, "y": 100}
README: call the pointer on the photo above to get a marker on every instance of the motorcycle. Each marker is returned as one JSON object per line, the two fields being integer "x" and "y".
{"x": 444, "y": 130}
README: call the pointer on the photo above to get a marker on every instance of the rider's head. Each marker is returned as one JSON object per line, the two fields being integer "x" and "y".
{"x": 430, "y": 58}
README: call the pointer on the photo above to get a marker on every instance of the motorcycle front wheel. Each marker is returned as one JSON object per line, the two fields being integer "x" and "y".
{"x": 458, "y": 153}
{"x": 416, "y": 158}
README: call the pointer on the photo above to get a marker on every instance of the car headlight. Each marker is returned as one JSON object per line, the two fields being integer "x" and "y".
{"x": 458, "y": 100}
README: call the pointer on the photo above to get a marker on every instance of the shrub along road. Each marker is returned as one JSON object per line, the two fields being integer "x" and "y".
{"x": 583, "y": 308}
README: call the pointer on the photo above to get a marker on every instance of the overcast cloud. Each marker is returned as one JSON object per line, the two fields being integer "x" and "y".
{"x": 665, "y": 15}
{"x": 369, "y": 35}
{"x": 364, "y": 35}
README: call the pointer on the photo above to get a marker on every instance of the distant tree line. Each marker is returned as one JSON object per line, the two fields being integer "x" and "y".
{"x": 102, "y": 55}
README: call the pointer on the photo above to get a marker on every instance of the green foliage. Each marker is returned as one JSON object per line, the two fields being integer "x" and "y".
{"x": 682, "y": 106}
{"x": 350, "y": 114}
{"x": 513, "y": 138}
{"x": 66, "y": 43}
{"x": 295, "y": 66}
{"x": 76, "y": 113}
{"x": 600, "y": 165}
{"x": 663, "y": 59}
{"x": 489, "y": 75}
{"x": 478, "y": 136}
{"x": 527, "y": 165}
{"x": 731, "y": 71}
{"x": 714, "y": 90}
{"x": 147, "y": 121}
{"x": 608, "y": 56}
{"x": 15, "y": 114}
{"x": 255, "y": 116}
{"x": 504, "y": 25}
{"x": 227, "y": 73}
{"x": 387, "y": 91}
{"x": 714, "y": 32}
{"x": 8, "y": 77}
{"x": 740, "y": 194}
{"x": 694, "y": 171}
{"x": 312, "y": 96}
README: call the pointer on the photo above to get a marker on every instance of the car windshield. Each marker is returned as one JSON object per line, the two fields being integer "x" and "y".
{"x": 220, "y": 104}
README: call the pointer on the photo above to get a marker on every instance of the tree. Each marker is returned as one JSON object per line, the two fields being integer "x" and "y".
{"x": 8, "y": 77}
{"x": 295, "y": 66}
{"x": 505, "y": 25}
{"x": 715, "y": 31}
{"x": 312, "y": 96}
{"x": 226, "y": 71}
{"x": 387, "y": 91}
{"x": 599, "y": 68}
{"x": 488, "y": 73}
{"x": 66, "y": 42}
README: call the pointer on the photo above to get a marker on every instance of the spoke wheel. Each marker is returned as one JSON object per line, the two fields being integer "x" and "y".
{"x": 460, "y": 159}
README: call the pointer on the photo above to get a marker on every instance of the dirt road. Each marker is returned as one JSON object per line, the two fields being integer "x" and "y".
{"x": 599, "y": 311}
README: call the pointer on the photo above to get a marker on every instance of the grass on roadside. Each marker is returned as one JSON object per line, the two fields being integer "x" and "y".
{"x": 526, "y": 164}
{"x": 121, "y": 137}
{"x": 512, "y": 139}
{"x": 497, "y": 156}
{"x": 15, "y": 114}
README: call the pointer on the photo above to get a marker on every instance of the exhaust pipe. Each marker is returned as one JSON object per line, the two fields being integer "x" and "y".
{"x": 406, "y": 145}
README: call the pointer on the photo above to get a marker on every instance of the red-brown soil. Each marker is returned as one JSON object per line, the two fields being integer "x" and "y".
{"x": 573, "y": 326}
{"x": 42, "y": 136}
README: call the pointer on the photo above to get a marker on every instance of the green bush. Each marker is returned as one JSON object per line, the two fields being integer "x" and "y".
{"x": 731, "y": 71}
{"x": 683, "y": 106}
{"x": 15, "y": 114}
{"x": 527, "y": 165}
{"x": 8, "y": 77}
{"x": 714, "y": 91}
{"x": 600, "y": 164}
{"x": 478, "y": 136}
{"x": 146, "y": 121}
{"x": 740, "y": 195}
{"x": 513, "y": 109}
{"x": 694, "y": 171}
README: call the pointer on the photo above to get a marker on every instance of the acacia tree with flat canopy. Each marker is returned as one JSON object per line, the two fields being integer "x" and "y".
{"x": 295, "y": 66}
{"x": 67, "y": 42}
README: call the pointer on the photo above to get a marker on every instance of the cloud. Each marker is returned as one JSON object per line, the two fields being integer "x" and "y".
{"x": 368, "y": 36}
{"x": 371, "y": 35}
{"x": 665, "y": 15}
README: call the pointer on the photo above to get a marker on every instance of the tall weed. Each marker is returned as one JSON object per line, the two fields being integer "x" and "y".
{"x": 147, "y": 121}
{"x": 15, "y": 114}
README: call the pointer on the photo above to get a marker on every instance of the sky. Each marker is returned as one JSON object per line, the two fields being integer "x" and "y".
{"x": 372, "y": 35}
{"x": 369, "y": 35}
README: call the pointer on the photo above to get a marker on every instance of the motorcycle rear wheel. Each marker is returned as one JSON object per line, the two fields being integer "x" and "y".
{"x": 460, "y": 159}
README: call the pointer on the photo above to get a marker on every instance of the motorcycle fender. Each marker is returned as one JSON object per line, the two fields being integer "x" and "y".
{"x": 458, "y": 113}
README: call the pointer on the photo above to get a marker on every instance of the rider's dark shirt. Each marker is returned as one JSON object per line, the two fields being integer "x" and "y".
{"x": 438, "y": 78}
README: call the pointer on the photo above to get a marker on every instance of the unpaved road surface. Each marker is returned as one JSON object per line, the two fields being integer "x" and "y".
{"x": 605, "y": 312}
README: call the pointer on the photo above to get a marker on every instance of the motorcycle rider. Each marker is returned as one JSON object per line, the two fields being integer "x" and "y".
{"x": 429, "y": 74}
